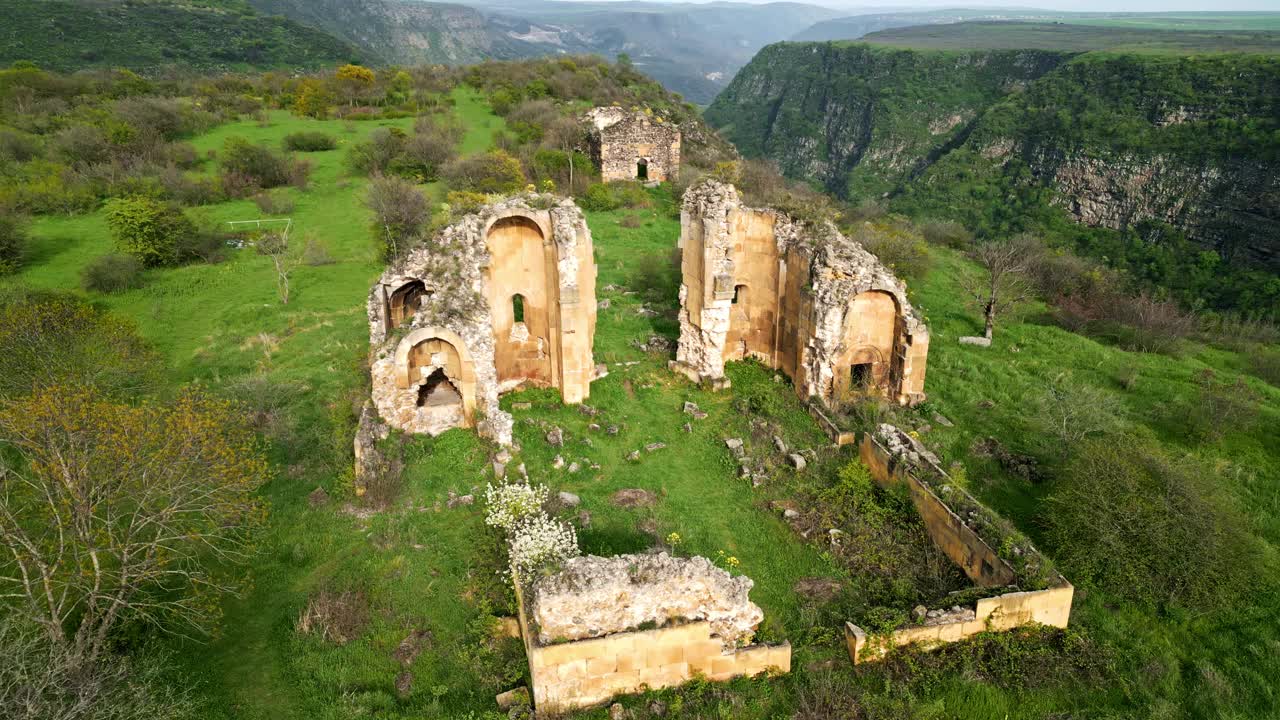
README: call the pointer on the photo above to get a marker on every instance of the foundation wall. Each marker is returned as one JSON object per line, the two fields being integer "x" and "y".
{"x": 582, "y": 673}
{"x": 956, "y": 540}
{"x": 1051, "y": 606}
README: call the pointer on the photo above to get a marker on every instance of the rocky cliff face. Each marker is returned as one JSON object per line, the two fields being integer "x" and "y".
{"x": 861, "y": 119}
{"x": 997, "y": 138}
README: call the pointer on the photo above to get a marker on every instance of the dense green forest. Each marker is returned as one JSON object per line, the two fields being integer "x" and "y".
{"x": 1163, "y": 163}
{"x": 73, "y": 34}
{"x": 156, "y": 344}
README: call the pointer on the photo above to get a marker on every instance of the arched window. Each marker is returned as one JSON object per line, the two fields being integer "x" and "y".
{"x": 405, "y": 300}
{"x": 642, "y": 169}
{"x": 517, "y": 307}
{"x": 739, "y": 294}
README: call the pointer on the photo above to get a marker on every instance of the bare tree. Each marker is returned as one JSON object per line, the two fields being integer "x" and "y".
{"x": 399, "y": 212}
{"x": 568, "y": 136}
{"x": 112, "y": 512}
{"x": 1006, "y": 282}
{"x": 284, "y": 258}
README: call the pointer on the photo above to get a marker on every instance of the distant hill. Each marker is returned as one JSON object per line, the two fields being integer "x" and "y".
{"x": 1071, "y": 37}
{"x": 693, "y": 49}
{"x": 859, "y": 26}
{"x": 73, "y": 34}
{"x": 405, "y": 32}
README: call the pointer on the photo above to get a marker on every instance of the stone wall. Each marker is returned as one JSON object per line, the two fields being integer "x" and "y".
{"x": 601, "y": 597}
{"x": 594, "y": 596}
{"x": 448, "y": 333}
{"x": 896, "y": 458}
{"x": 622, "y": 141}
{"x": 807, "y": 301}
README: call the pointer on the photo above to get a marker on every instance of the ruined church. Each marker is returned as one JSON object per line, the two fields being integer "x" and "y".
{"x": 503, "y": 298}
{"x": 633, "y": 145}
{"x": 801, "y": 299}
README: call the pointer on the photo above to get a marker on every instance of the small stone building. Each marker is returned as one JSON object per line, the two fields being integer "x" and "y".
{"x": 503, "y": 298}
{"x": 804, "y": 300}
{"x": 633, "y": 145}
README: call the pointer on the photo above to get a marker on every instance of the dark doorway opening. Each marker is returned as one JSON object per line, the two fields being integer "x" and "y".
{"x": 739, "y": 293}
{"x": 642, "y": 169}
{"x": 437, "y": 391}
{"x": 861, "y": 376}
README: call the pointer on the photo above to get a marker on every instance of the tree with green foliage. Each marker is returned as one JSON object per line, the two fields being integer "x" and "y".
{"x": 496, "y": 171}
{"x": 148, "y": 229}
{"x": 49, "y": 338}
{"x": 312, "y": 99}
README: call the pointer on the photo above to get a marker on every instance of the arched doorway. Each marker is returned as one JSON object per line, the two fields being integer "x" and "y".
{"x": 404, "y": 301}
{"x": 642, "y": 169}
{"x": 870, "y": 337}
{"x": 520, "y": 298}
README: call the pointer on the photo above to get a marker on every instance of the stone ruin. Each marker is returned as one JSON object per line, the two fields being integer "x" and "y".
{"x": 757, "y": 283}
{"x": 597, "y": 596}
{"x": 602, "y": 627}
{"x": 633, "y": 145}
{"x": 503, "y": 298}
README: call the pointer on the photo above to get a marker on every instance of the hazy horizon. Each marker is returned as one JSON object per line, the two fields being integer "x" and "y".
{"x": 1145, "y": 6}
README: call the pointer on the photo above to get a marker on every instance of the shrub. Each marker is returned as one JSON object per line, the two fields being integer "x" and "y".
{"x": 176, "y": 185}
{"x": 399, "y": 212}
{"x": 1151, "y": 324}
{"x": 13, "y": 242}
{"x": 656, "y": 276}
{"x": 1068, "y": 411}
{"x": 158, "y": 117}
{"x": 17, "y": 146}
{"x": 897, "y": 245}
{"x": 82, "y": 145}
{"x": 147, "y": 229}
{"x": 112, "y": 273}
{"x": 1216, "y": 408}
{"x": 49, "y": 338}
{"x": 309, "y": 141}
{"x": 264, "y": 167}
{"x": 492, "y": 172}
{"x": 1149, "y": 527}
{"x": 424, "y": 155}
{"x": 375, "y": 155}
{"x": 204, "y": 245}
{"x": 599, "y": 199}
{"x": 946, "y": 232}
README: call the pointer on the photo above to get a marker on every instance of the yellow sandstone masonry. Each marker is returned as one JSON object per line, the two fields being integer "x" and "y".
{"x": 1050, "y": 606}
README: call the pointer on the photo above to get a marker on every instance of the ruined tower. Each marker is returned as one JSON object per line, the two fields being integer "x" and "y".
{"x": 503, "y": 298}
{"x": 801, "y": 299}
{"x": 635, "y": 145}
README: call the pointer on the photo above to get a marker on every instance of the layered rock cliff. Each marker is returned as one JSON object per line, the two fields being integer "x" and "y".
{"x": 1149, "y": 145}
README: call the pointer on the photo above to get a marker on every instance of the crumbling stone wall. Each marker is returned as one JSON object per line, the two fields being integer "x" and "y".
{"x": 596, "y": 596}
{"x": 633, "y": 145}
{"x": 581, "y": 629}
{"x": 804, "y": 300}
{"x": 449, "y": 333}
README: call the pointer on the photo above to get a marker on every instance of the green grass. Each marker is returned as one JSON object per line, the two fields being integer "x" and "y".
{"x": 424, "y": 566}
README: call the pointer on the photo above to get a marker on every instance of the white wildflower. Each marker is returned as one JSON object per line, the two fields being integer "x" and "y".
{"x": 509, "y": 503}
{"x": 539, "y": 542}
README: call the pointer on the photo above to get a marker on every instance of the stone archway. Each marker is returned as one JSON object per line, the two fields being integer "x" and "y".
{"x": 522, "y": 294}
{"x": 403, "y": 303}
{"x": 870, "y": 337}
{"x": 435, "y": 378}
